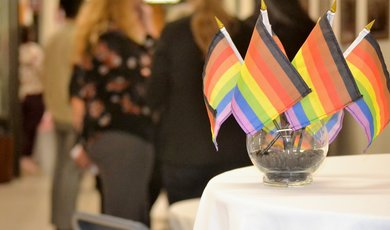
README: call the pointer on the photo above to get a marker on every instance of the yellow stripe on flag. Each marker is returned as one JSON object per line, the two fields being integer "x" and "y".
{"x": 314, "y": 100}
{"x": 259, "y": 95}
{"x": 225, "y": 78}
{"x": 362, "y": 79}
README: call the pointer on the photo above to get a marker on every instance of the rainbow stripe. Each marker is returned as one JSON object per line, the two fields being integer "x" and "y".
{"x": 333, "y": 125}
{"x": 221, "y": 70}
{"x": 323, "y": 67}
{"x": 268, "y": 84}
{"x": 372, "y": 77}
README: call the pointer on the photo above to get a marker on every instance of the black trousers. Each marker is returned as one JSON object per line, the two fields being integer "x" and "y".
{"x": 32, "y": 112}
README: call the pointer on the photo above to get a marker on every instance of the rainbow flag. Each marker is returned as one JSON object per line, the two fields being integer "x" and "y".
{"x": 268, "y": 84}
{"x": 333, "y": 125}
{"x": 372, "y": 77}
{"x": 323, "y": 67}
{"x": 221, "y": 70}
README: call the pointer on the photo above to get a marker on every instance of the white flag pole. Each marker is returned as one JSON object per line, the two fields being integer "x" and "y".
{"x": 359, "y": 38}
{"x": 264, "y": 14}
{"x": 229, "y": 39}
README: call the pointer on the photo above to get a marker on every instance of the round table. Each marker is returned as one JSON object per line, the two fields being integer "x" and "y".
{"x": 348, "y": 192}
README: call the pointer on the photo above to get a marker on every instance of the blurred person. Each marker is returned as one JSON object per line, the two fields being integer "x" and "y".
{"x": 30, "y": 94}
{"x": 179, "y": 10}
{"x": 114, "y": 39}
{"x": 290, "y": 22}
{"x": 186, "y": 152}
{"x": 56, "y": 77}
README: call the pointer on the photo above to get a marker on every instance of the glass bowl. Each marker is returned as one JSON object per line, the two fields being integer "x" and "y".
{"x": 288, "y": 157}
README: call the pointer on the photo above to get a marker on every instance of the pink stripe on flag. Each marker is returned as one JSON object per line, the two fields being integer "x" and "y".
{"x": 357, "y": 113}
{"x": 243, "y": 122}
{"x": 292, "y": 118}
{"x": 224, "y": 114}
{"x": 337, "y": 127}
{"x": 221, "y": 118}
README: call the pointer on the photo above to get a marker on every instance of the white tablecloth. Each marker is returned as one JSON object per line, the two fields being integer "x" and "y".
{"x": 348, "y": 192}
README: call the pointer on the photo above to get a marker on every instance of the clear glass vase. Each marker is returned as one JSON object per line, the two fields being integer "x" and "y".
{"x": 287, "y": 157}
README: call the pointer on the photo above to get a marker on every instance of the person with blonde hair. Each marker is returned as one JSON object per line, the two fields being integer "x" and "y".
{"x": 113, "y": 42}
{"x": 186, "y": 153}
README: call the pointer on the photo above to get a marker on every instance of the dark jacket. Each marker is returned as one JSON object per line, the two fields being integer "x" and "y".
{"x": 184, "y": 136}
{"x": 112, "y": 85}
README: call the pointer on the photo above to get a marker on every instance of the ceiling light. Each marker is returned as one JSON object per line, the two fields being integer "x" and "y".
{"x": 161, "y": 1}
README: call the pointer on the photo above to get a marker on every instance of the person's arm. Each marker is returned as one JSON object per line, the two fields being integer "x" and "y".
{"x": 80, "y": 157}
{"x": 78, "y": 112}
{"x": 76, "y": 102}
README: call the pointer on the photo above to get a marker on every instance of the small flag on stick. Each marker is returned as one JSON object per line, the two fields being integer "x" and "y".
{"x": 268, "y": 84}
{"x": 372, "y": 77}
{"x": 221, "y": 70}
{"x": 323, "y": 67}
{"x": 333, "y": 123}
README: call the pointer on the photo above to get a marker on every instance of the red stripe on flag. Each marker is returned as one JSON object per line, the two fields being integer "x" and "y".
{"x": 323, "y": 81}
{"x": 221, "y": 70}
{"x": 263, "y": 83}
{"x": 216, "y": 51}
{"x": 262, "y": 61}
{"x": 210, "y": 81}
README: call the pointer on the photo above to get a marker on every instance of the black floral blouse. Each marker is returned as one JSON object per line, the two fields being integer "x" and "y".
{"x": 112, "y": 83}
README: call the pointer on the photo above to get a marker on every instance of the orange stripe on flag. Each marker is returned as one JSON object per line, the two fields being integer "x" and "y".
{"x": 219, "y": 72}
{"x": 214, "y": 67}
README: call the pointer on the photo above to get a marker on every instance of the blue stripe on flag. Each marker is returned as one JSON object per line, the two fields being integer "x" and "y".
{"x": 247, "y": 110}
{"x": 333, "y": 125}
{"x": 367, "y": 114}
{"x": 225, "y": 101}
{"x": 300, "y": 114}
